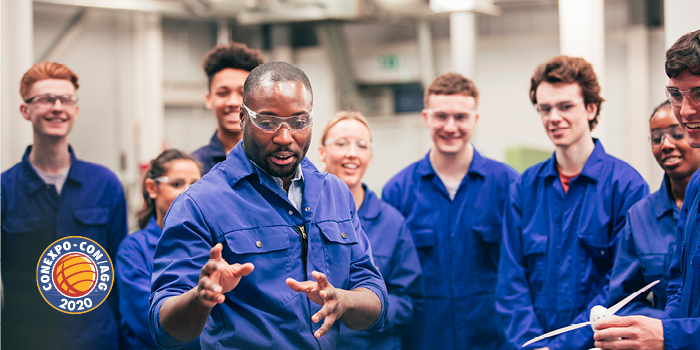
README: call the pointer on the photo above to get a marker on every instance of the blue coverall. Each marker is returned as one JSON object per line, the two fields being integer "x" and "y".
{"x": 134, "y": 268}
{"x": 558, "y": 247}
{"x": 396, "y": 258}
{"x": 91, "y": 205}
{"x": 681, "y": 318}
{"x": 211, "y": 154}
{"x": 243, "y": 208}
{"x": 458, "y": 243}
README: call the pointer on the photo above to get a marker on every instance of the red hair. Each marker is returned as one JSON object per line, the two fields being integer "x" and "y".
{"x": 43, "y": 71}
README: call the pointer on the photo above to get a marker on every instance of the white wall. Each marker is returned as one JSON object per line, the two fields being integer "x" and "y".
{"x": 508, "y": 50}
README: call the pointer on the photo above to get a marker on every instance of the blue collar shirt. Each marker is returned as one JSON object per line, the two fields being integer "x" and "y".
{"x": 244, "y": 209}
{"x": 458, "y": 243}
{"x": 211, "y": 154}
{"x": 681, "y": 318}
{"x": 91, "y": 205}
{"x": 558, "y": 247}
{"x": 396, "y": 258}
{"x": 134, "y": 266}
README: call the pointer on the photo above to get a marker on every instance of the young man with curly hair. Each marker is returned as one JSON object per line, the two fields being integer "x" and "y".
{"x": 563, "y": 217}
{"x": 227, "y": 67}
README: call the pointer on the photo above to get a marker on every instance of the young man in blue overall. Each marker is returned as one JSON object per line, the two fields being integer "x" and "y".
{"x": 49, "y": 195}
{"x": 453, "y": 203}
{"x": 679, "y": 326}
{"x": 564, "y": 215}
{"x": 237, "y": 243}
{"x": 227, "y": 67}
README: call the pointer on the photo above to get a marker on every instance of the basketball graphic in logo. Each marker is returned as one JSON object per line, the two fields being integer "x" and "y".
{"x": 75, "y": 275}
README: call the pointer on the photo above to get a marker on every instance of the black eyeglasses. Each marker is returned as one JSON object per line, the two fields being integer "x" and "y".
{"x": 48, "y": 100}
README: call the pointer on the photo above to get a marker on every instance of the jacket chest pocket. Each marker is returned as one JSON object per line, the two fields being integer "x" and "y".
{"x": 339, "y": 239}
{"x": 535, "y": 260}
{"x": 23, "y": 241}
{"x": 92, "y": 223}
{"x": 653, "y": 267}
{"x": 268, "y": 249}
{"x": 425, "y": 240}
{"x": 597, "y": 245}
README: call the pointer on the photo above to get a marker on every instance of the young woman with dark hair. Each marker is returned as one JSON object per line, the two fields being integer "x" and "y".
{"x": 170, "y": 174}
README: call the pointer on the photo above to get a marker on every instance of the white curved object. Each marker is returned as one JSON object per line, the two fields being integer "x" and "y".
{"x": 598, "y": 313}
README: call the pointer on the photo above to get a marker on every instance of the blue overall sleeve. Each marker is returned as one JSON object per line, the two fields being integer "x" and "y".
{"x": 627, "y": 276}
{"x": 680, "y": 333}
{"x": 405, "y": 282}
{"x": 134, "y": 279}
{"x": 513, "y": 295}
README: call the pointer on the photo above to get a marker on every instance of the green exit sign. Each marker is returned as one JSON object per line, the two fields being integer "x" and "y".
{"x": 389, "y": 62}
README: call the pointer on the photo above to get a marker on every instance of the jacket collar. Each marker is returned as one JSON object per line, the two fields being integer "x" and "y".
{"x": 76, "y": 174}
{"x": 370, "y": 207}
{"x": 592, "y": 169}
{"x": 238, "y": 166}
{"x": 152, "y": 227}
{"x": 477, "y": 165}
{"x": 661, "y": 200}
{"x": 216, "y": 148}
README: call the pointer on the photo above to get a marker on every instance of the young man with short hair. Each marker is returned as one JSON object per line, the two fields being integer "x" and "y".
{"x": 49, "y": 195}
{"x": 564, "y": 214}
{"x": 227, "y": 67}
{"x": 453, "y": 203}
{"x": 679, "y": 326}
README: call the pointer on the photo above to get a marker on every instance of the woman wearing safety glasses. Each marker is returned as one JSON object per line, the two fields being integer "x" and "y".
{"x": 170, "y": 174}
{"x": 648, "y": 239}
{"x": 346, "y": 148}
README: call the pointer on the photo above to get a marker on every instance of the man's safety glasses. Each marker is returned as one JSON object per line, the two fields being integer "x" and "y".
{"x": 441, "y": 118}
{"x": 676, "y": 96}
{"x": 563, "y": 108}
{"x": 48, "y": 100}
{"x": 674, "y": 134}
{"x": 272, "y": 123}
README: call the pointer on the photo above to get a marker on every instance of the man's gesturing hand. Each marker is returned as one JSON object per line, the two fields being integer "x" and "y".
{"x": 335, "y": 302}
{"x": 218, "y": 277}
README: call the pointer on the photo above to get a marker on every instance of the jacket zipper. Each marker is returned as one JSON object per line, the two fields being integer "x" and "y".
{"x": 301, "y": 231}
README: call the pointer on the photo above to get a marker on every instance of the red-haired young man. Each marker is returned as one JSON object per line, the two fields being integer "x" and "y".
{"x": 49, "y": 195}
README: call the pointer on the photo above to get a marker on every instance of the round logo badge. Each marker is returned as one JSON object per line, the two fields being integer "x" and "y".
{"x": 74, "y": 275}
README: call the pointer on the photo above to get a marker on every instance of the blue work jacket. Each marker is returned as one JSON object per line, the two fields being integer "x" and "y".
{"x": 558, "y": 248}
{"x": 211, "y": 154}
{"x": 91, "y": 205}
{"x": 396, "y": 258}
{"x": 458, "y": 243}
{"x": 240, "y": 206}
{"x": 134, "y": 268}
{"x": 644, "y": 253}
{"x": 681, "y": 319}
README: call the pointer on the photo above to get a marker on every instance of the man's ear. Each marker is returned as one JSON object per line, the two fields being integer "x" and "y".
{"x": 24, "y": 109}
{"x": 322, "y": 153}
{"x": 424, "y": 112}
{"x": 208, "y": 101}
{"x": 592, "y": 109}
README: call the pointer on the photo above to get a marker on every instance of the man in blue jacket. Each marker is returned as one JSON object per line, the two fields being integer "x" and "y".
{"x": 236, "y": 244}
{"x": 453, "y": 203}
{"x": 227, "y": 67}
{"x": 563, "y": 217}
{"x": 49, "y": 195}
{"x": 679, "y": 326}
